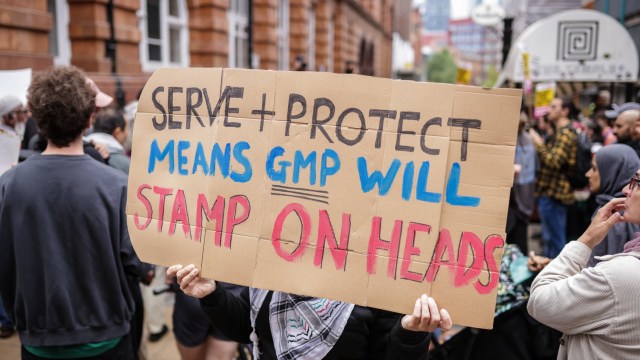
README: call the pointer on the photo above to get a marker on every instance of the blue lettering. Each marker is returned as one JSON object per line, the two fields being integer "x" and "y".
{"x": 200, "y": 160}
{"x": 421, "y": 187}
{"x": 155, "y": 153}
{"x": 222, "y": 158}
{"x": 239, "y": 156}
{"x": 452, "y": 190}
{"x": 326, "y": 171}
{"x": 407, "y": 181}
{"x": 182, "y": 160}
{"x": 280, "y": 175}
{"x": 367, "y": 182}
{"x": 299, "y": 161}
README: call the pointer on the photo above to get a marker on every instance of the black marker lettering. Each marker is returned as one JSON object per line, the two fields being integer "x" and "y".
{"x": 158, "y": 105}
{"x": 465, "y": 124}
{"x": 315, "y": 123}
{"x": 408, "y": 115}
{"x": 423, "y": 136}
{"x": 294, "y": 98}
{"x": 382, "y": 114}
{"x": 172, "y": 108}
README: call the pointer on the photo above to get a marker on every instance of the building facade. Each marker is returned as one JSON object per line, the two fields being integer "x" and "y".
{"x": 475, "y": 47}
{"x": 120, "y": 42}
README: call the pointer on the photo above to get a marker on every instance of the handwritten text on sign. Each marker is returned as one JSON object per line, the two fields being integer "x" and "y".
{"x": 361, "y": 189}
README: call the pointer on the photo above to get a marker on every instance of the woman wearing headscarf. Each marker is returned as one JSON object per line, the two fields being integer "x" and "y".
{"x": 611, "y": 168}
{"x": 597, "y": 308}
{"x": 287, "y": 326}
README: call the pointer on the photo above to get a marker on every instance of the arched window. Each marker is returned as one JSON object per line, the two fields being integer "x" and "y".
{"x": 164, "y": 30}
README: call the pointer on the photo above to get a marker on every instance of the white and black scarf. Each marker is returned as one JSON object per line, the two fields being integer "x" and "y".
{"x": 302, "y": 327}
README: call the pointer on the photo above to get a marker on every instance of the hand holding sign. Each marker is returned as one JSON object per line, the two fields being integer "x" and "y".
{"x": 426, "y": 316}
{"x": 190, "y": 281}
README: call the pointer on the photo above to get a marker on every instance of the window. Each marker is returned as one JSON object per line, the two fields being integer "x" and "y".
{"x": 311, "y": 39}
{"x": 238, "y": 33}
{"x": 165, "y": 39}
{"x": 59, "y": 44}
{"x": 283, "y": 35}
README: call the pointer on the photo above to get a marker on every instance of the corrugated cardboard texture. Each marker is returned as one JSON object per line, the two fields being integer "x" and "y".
{"x": 360, "y": 189}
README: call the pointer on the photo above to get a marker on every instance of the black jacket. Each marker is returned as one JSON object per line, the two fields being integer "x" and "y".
{"x": 369, "y": 333}
{"x": 64, "y": 251}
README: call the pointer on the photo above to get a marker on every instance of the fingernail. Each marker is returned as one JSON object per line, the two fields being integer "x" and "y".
{"x": 425, "y": 297}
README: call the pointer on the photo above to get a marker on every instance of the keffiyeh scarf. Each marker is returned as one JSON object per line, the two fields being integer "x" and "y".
{"x": 302, "y": 327}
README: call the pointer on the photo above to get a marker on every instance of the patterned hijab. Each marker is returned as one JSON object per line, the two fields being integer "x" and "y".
{"x": 303, "y": 328}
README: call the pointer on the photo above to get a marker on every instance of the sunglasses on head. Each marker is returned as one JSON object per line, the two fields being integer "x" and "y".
{"x": 634, "y": 182}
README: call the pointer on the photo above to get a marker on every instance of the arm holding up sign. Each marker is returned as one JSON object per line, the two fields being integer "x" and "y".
{"x": 350, "y": 331}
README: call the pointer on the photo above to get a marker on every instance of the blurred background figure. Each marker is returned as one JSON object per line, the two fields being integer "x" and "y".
{"x": 350, "y": 68}
{"x": 300, "y": 64}
{"x": 111, "y": 130}
{"x": 522, "y": 200}
{"x": 606, "y": 128}
{"x": 14, "y": 115}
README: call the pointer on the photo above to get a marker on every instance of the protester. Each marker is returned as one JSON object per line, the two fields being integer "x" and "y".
{"x": 557, "y": 159}
{"x": 515, "y": 335}
{"x": 110, "y": 129}
{"x": 300, "y": 64}
{"x": 606, "y": 129}
{"x": 196, "y": 337}
{"x": 350, "y": 67}
{"x": 64, "y": 244}
{"x": 624, "y": 127}
{"x": 334, "y": 330}
{"x": 595, "y": 307}
{"x": 13, "y": 115}
{"x": 611, "y": 169}
{"x": 521, "y": 200}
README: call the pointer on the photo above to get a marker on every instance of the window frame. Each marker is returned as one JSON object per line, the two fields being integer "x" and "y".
{"x": 167, "y": 23}
{"x": 238, "y": 29}
{"x": 61, "y": 25}
{"x": 283, "y": 34}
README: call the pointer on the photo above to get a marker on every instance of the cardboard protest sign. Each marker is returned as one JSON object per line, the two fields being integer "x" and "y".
{"x": 355, "y": 188}
{"x": 9, "y": 150}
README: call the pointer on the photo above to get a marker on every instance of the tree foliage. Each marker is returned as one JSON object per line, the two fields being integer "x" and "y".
{"x": 441, "y": 68}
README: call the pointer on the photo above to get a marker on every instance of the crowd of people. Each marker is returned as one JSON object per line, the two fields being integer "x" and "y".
{"x": 70, "y": 280}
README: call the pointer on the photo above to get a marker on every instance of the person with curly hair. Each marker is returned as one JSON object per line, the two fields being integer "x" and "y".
{"x": 64, "y": 245}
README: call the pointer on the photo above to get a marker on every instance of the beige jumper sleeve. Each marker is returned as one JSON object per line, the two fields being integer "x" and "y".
{"x": 570, "y": 298}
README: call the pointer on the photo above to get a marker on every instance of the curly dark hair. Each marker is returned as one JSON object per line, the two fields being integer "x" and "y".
{"x": 62, "y": 104}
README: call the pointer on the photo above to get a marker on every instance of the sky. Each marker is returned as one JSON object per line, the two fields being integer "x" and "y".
{"x": 460, "y": 9}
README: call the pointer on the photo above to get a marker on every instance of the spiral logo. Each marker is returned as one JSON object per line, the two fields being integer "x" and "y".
{"x": 577, "y": 40}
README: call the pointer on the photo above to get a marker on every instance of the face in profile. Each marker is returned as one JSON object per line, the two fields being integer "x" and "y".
{"x": 594, "y": 177}
{"x": 632, "y": 203}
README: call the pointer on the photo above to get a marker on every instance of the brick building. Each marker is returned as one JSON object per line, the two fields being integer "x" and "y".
{"x": 120, "y": 42}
